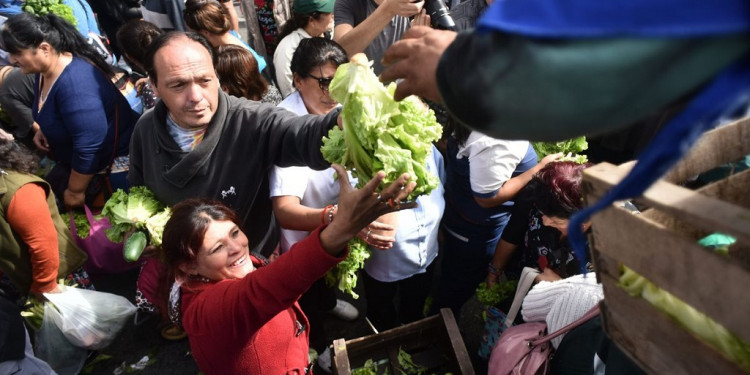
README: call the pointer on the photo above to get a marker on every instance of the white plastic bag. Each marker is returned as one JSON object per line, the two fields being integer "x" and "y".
{"x": 55, "y": 349}
{"x": 89, "y": 319}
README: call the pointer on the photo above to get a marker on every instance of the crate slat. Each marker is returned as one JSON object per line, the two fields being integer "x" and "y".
{"x": 654, "y": 341}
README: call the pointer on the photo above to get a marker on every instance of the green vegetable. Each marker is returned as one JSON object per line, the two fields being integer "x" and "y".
{"x": 155, "y": 225}
{"x": 570, "y": 148}
{"x": 345, "y": 273}
{"x": 703, "y": 327}
{"x": 369, "y": 368}
{"x": 497, "y": 294}
{"x": 380, "y": 133}
{"x": 408, "y": 367}
{"x": 134, "y": 246}
{"x": 82, "y": 223}
{"x": 34, "y": 312}
{"x": 56, "y": 7}
{"x": 128, "y": 211}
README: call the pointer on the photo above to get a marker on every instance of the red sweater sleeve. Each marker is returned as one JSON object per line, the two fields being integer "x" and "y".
{"x": 29, "y": 216}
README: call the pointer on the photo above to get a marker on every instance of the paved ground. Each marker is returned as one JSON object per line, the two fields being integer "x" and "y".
{"x": 169, "y": 358}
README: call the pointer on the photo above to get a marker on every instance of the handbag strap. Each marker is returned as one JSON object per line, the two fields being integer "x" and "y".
{"x": 524, "y": 285}
{"x": 593, "y": 312}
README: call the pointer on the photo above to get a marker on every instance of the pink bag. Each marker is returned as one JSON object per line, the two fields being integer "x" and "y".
{"x": 525, "y": 349}
{"x": 104, "y": 256}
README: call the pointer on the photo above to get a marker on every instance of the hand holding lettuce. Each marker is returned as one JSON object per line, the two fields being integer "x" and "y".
{"x": 378, "y": 133}
{"x": 570, "y": 149}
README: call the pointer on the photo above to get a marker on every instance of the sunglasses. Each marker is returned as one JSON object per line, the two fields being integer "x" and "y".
{"x": 323, "y": 82}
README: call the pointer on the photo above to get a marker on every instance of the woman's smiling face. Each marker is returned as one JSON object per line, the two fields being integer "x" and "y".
{"x": 225, "y": 253}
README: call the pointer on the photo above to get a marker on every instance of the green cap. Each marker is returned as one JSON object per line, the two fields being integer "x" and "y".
{"x": 309, "y": 6}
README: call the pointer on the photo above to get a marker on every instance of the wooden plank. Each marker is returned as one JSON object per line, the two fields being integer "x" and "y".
{"x": 340, "y": 358}
{"x": 722, "y": 145}
{"x": 704, "y": 212}
{"x": 654, "y": 341}
{"x": 456, "y": 342}
{"x": 709, "y": 282}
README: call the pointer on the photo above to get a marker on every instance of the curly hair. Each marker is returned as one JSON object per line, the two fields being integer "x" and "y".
{"x": 16, "y": 157}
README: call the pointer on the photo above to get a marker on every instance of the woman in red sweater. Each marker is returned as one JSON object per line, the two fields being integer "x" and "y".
{"x": 242, "y": 317}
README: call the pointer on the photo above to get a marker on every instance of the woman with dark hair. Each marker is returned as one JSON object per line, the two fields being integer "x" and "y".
{"x": 81, "y": 118}
{"x": 310, "y": 19}
{"x": 210, "y": 19}
{"x": 36, "y": 247}
{"x": 134, "y": 37}
{"x": 241, "y": 316}
{"x": 239, "y": 76}
{"x": 536, "y": 235}
{"x": 312, "y": 69}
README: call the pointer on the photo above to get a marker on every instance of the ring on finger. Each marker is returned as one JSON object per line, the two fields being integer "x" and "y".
{"x": 380, "y": 198}
{"x": 367, "y": 236}
{"x": 393, "y": 204}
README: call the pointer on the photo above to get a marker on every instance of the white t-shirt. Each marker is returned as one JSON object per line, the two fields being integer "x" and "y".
{"x": 492, "y": 160}
{"x": 282, "y": 60}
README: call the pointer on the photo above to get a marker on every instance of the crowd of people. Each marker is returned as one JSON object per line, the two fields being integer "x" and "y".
{"x": 228, "y": 131}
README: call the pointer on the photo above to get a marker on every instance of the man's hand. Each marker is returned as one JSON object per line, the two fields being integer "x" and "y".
{"x": 421, "y": 19}
{"x": 414, "y": 59}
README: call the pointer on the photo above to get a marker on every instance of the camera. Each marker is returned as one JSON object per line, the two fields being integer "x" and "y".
{"x": 440, "y": 15}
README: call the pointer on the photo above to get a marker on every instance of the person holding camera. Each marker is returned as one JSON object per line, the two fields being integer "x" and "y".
{"x": 371, "y": 26}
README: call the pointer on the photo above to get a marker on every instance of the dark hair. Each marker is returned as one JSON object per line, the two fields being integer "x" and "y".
{"x": 134, "y": 38}
{"x": 458, "y": 130}
{"x": 557, "y": 188}
{"x": 185, "y": 230}
{"x": 238, "y": 72}
{"x": 23, "y": 31}
{"x": 206, "y": 15}
{"x": 298, "y": 20}
{"x": 164, "y": 39}
{"x": 314, "y": 52}
{"x": 16, "y": 157}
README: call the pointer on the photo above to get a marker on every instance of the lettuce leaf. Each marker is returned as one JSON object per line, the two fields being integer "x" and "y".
{"x": 571, "y": 149}
{"x": 380, "y": 133}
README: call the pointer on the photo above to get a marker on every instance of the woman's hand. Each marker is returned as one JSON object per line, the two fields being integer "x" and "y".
{"x": 360, "y": 207}
{"x": 374, "y": 235}
{"x": 40, "y": 141}
{"x": 549, "y": 158}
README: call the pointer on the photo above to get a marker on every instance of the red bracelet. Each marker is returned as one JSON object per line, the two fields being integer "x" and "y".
{"x": 323, "y": 214}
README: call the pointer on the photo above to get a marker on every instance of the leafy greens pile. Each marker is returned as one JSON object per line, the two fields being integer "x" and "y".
{"x": 138, "y": 210}
{"x": 379, "y": 134}
{"x": 706, "y": 329}
{"x": 570, "y": 148}
{"x": 83, "y": 227}
{"x": 497, "y": 294}
{"x": 56, "y": 7}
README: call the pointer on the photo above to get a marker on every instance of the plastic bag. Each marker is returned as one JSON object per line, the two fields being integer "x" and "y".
{"x": 55, "y": 349}
{"x": 89, "y": 319}
{"x": 105, "y": 256}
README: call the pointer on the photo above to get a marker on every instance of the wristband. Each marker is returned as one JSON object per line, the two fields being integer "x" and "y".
{"x": 323, "y": 214}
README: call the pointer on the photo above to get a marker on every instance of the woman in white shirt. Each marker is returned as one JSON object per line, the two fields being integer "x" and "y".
{"x": 311, "y": 19}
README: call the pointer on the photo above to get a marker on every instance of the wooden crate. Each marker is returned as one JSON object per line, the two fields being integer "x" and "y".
{"x": 434, "y": 343}
{"x": 661, "y": 245}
